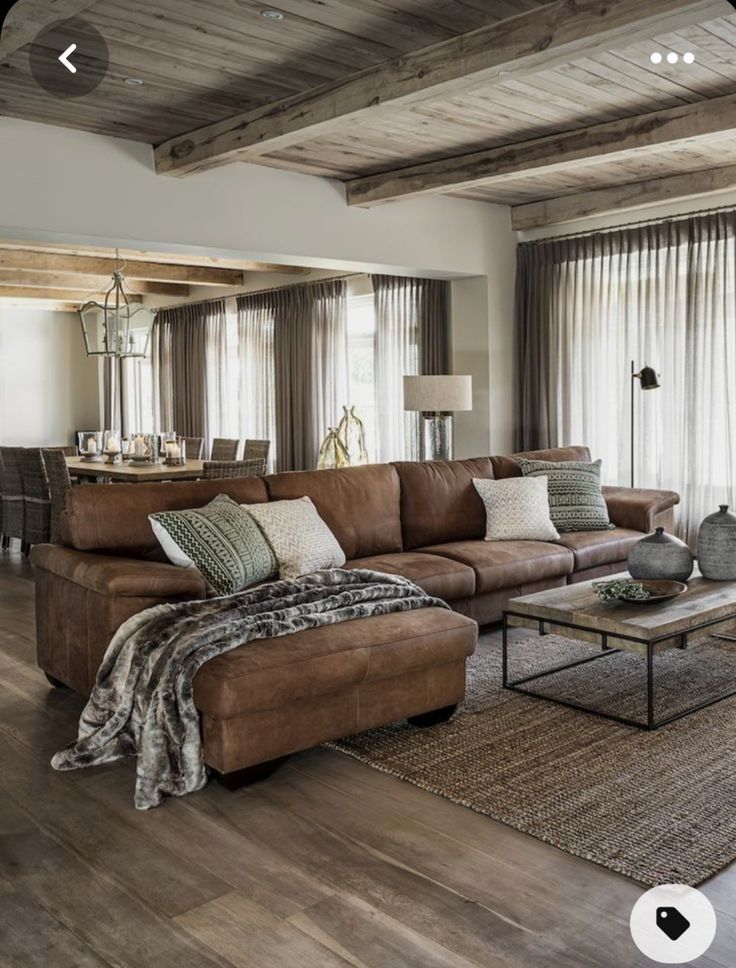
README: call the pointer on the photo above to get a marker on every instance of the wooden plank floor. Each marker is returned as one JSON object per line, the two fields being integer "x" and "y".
{"x": 326, "y": 864}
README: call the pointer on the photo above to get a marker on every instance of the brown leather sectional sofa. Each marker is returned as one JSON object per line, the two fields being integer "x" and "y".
{"x": 272, "y": 697}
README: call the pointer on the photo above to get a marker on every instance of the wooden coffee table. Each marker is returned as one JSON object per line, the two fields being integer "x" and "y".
{"x": 576, "y": 612}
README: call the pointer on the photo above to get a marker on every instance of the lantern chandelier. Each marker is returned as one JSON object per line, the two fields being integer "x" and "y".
{"x": 118, "y": 327}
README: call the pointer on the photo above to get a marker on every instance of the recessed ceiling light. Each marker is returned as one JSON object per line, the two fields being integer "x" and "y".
{"x": 656, "y": 57}
{"x": 689, "y": 58}
{"x": 672, "y": 57}
{"x": 272, "y": 14}
{"x": 133, "y": 81}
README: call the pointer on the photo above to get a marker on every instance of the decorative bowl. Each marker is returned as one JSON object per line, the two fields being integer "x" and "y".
{"x": 639, "y": 592}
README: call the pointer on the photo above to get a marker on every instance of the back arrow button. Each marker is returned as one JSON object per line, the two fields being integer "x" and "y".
{"x": 64, "y": 58}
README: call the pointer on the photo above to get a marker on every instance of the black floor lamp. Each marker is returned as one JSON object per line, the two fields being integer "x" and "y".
{"x": 648, "y": 380}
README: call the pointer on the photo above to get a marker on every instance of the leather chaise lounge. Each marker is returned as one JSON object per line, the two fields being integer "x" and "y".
{"x": 276, "y": 696}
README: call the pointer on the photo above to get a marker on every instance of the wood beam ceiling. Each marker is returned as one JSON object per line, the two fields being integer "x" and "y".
{"x": 610, "y": 140}
{"x": 72, "y": 296}
{"x": 29, "y": 259}
{"x": 27, "y": 18}
{"x": 604, "y": 201}
{"x": 539, "y": 39}
{"x": 70, "y": 280}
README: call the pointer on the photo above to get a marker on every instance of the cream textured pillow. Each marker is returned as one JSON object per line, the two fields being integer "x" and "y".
{"x": 515, "y": 511}
{"x": 300, "y": 539}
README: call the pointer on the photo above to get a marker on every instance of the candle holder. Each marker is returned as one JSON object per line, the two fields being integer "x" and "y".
{"x": 113, "y": 447}
{"x": 90, "y": 443}
{"x": 144, "y": 449}
{"x": 176, "y": 451}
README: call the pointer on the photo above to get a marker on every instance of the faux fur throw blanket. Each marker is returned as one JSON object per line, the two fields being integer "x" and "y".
{"x": 142, "y": 703}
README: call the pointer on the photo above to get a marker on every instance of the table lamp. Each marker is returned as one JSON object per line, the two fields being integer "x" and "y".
{"x": 437, "y": 398}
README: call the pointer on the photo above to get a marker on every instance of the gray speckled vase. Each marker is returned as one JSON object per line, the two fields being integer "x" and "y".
{"x": 717, "y": 546}
{"x": 661, "y": 555}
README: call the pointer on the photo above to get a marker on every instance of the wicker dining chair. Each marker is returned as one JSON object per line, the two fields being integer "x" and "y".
{"x": 216, "y": 469}
{"x": 11, "y": 493}
{"x": 37, "y": 516}
{"x": 60, "y": 482}
{"x": 223, "y": 448}
{"x": 68, "y": 450}
{"x": 195, "y": 447}
{"x": 257, "y": 450}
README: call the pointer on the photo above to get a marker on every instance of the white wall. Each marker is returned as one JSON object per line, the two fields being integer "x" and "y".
{"x": 104, "y": 191}
{"x": 48, "y": 385}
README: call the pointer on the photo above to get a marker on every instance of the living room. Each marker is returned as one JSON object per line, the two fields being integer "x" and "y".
{"x": 312, "y": 316}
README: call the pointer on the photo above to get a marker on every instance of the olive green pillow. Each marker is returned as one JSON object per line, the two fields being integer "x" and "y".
{"x": 576, "y": 502}
{"x": 221, "y": 540}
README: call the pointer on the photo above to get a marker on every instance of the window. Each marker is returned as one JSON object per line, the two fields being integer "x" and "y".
{"x": 362, "y": 366}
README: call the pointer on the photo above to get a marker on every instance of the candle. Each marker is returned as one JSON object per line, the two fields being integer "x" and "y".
{"x": 174, "y": 450}
{"x": 91, "y": 446}
{"x": 139, "y": 447}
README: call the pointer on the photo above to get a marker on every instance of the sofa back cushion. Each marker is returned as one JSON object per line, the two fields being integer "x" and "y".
{"x": 360, "y": 505}
{"x": 509, "y": 467}
{"x": 439, "y": 502}
{"x": 114, "y": 517}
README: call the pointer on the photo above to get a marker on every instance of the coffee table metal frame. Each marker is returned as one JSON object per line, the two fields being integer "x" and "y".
{"x": 607, "y": 651}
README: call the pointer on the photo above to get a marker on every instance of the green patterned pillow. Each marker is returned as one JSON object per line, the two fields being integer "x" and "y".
{"x": 221, "y": 540}
{"x": 576, "y": 502}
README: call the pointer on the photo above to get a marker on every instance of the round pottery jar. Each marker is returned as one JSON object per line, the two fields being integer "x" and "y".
{"x": 661, "y": 555}
{"x": 717, "y": 546}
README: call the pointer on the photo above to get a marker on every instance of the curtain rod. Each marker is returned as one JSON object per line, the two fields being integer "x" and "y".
{"x": 631, "y": 225}
{"x": 260, "y": 292}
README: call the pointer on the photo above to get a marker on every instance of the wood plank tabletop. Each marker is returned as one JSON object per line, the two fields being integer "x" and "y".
{"x": 704, "y": 601}
{"x": 134, "y": 473}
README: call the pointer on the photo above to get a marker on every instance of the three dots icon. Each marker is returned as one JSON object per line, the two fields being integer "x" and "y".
{"x": 672, "y": 57}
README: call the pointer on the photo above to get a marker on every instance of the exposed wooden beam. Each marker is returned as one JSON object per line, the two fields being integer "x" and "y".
{"x": 612, "y": 140}
{"x": 92, "y": 265}
{"x": 58, "y": 280}
{"x": 538, "y": 39}
{"x": 27, "y": 18}
{"x": 603, "y": 201}
{"x": 48, "y": 305}
{"x": 152, "y": 255}
{"x": 71, "y": 296}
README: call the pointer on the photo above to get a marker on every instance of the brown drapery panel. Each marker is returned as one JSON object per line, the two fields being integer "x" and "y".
{"x": 660, "y": 294}
{"x": 310, "y": 366}
{"x": 188, "y": 348}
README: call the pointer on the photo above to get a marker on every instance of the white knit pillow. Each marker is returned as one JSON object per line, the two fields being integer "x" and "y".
{"x": 299, "y": 537}
{"x": 514, "y": 510}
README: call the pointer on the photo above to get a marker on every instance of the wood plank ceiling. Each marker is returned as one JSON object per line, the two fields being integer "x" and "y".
{"x": 203, "y": 64}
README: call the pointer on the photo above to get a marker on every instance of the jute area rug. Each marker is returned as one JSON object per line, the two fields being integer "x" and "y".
{"x": 659, "y": 807}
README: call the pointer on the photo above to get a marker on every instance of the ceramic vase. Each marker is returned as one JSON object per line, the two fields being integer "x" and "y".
{"x": 717, "y": 546}
{"x": 661, "y": 556}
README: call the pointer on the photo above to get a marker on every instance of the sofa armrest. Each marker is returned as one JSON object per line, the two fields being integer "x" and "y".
{"x": 127, "y": 577}
{"x": 639, "y": 508}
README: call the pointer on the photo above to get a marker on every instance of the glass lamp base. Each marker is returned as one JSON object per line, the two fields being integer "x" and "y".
{"x": 436, "y": 436}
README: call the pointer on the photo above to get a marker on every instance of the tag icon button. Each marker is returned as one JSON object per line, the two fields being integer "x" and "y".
{"x": 672, "y": 922}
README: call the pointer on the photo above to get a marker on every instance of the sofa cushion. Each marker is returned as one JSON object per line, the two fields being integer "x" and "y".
{"x": 517, "y": 509}
{"x": 509, "y": 466}
{"x": 439, "y": 502}
{"x": 300, "y": 539}
{"x": 448, "y": 580}
{"x": 574, "y": 487}
{"x": 505, "y": 564}
{"x": 268, "y": 673}
{"x": 114, "y": 517}
{"x": 360, "y": 505}
{"x": 221, "y": 540}
{"x": 595, "y": 548}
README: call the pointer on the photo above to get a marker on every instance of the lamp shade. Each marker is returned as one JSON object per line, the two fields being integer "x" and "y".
{"x": 649, "y": 378}
{"x": 438, "y": 394}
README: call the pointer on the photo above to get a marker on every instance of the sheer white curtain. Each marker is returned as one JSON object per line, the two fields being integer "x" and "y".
{"x": 662, "y": 295}
{"x": 255, "y": 368}
{"x": 412, "y": 337}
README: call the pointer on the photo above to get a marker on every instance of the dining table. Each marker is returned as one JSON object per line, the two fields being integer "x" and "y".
{"x": 132, "y": 472}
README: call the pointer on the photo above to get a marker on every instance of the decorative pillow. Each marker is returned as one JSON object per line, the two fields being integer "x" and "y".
{"x": 300, "y": 539}
{"x": 517, "y": 509}
{"x": 220, "y": 539}
{"x": 576, "y": 501}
